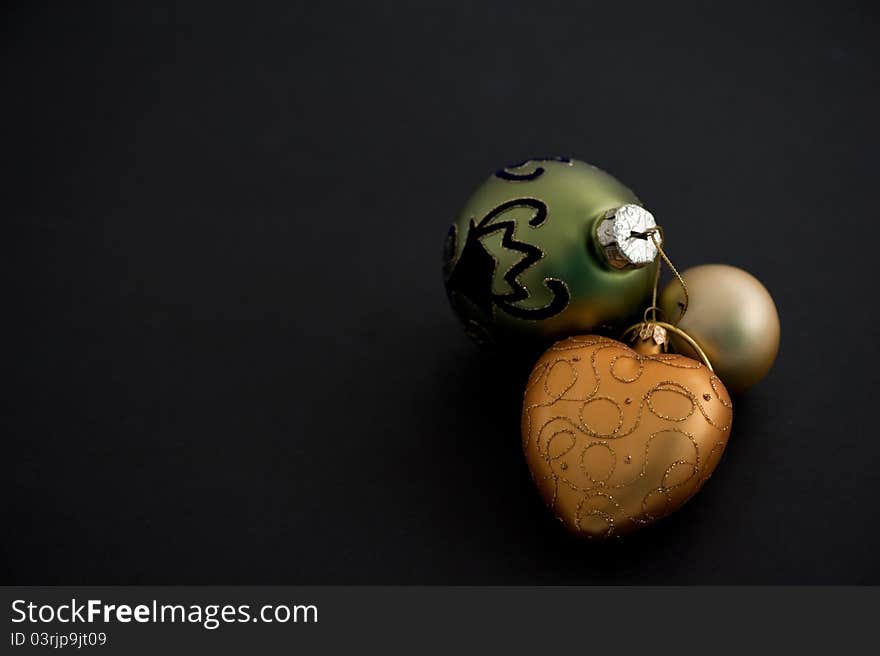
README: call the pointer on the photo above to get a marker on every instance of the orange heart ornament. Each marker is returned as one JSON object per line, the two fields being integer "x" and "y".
{"x": 617, "y": 438}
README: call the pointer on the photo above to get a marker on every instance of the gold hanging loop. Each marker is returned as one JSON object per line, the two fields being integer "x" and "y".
{"x": 651, "y": 233}
{"x": 678, "y": 331}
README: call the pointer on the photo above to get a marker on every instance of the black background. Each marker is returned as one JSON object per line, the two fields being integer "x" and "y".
{"x": 231, "y": 355}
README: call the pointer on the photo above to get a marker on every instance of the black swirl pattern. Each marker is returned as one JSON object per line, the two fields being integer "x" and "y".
{"x": 510, "y": 173}
{"x": 472, "y": 274}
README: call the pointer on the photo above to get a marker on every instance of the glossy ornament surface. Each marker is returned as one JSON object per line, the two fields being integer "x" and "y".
{"x": 732, "y": 317}
{"x": 523, "y": 260}
{"x": 614, "y": 439}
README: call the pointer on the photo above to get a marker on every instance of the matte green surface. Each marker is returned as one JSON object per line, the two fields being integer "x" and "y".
{"x": 576, "y": 195}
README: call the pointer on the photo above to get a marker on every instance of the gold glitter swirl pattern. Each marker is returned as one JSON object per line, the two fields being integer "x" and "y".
{"x": 615, "y": 439}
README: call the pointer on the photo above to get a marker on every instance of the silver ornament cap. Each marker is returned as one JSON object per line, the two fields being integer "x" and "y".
{"x": 624, "y": 235}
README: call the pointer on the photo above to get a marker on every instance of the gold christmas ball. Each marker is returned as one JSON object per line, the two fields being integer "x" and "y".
{"x": 615, "y": 439}
{"x": 731, "y": 315}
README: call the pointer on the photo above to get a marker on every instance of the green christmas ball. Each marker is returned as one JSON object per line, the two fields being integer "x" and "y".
{"x": 549, "y": 247}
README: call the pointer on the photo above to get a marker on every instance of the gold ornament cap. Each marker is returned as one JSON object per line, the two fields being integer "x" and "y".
{"x": 624, "y": 235}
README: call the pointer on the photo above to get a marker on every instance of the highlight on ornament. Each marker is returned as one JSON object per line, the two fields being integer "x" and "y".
{"x": 617, "y": 433}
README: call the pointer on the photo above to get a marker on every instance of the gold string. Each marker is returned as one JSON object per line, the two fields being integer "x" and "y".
{"x": 656, "y": 279}
{"x": 653, "y": 309}
{"x": 652, "y": 233}
{"x": 682, "y": 306}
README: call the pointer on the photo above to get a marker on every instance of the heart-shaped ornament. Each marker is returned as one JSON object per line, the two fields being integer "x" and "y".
{"x": 617, "y": 439}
